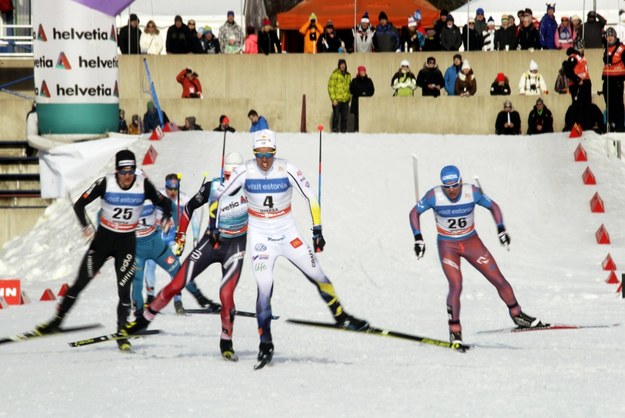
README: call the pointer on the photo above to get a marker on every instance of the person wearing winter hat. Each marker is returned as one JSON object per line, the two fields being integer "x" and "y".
{"x": 451, "y": 74}
{"x": 226, "y": 31}
{"x": 540, "y": 119}
{"x": 129, "y": 38}
{"x": 439, "y": 25}
{"x": 386, "y": 37}
{"x": 329, "y": 41}
{"x": 430, "y": 78}
{"x": 488, "y": 36}
{"x": 466, "y": 85}
{"x": 311, "y": 30}
{"x": 471, "y": 38}
{"x": 268, "y": 41}
{"x": 547, "y": 28}
{"x": 500, "y": 87}
{"x": 404, "y": 82}
{"x": 505, "y": 36}
{"x": 224, "y": 125}
{"x": 451, "y": 38}
{"x": 528, "y": 36}
{"x": 411, "y": 38}
{"x": 480, "y": 20}
{"x": 338, "y": 90}
{"x": 565, "y": 34}
{"x": 122, "y": 195}
{"x": 593, "y": 30}
{"x": 532, "y": 83}
{"x": 575, "y": 69}
{"x": 508, "y": 121}
{"x": 613, "y": 76}
{"x": 361, "y": 86}
{"x": 363, "y": 35}
{"x": 210, "y": 43}
{"x": 177, "y": 38}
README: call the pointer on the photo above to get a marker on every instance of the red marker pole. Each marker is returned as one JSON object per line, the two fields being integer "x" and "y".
{"x": 320, "y": 129}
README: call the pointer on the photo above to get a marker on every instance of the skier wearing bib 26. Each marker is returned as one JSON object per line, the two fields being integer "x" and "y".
{"x": 122, "y": 194}
{"x": 223, "y": 242}
{"x": 268, "y": 183}
{"x": 453, "y": 203}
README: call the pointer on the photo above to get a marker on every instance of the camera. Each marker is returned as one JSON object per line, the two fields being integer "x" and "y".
{"x": 313, "y": 36}
{"x": 532, "y": 86}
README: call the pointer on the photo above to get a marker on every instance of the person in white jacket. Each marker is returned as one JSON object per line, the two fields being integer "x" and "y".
{"x": 151, "y": 42}
{"x": 489, "y": 35}
{"x": 532, "y": 83}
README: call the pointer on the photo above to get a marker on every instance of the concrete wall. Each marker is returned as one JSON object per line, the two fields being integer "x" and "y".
{"x": 16, "y": 221}
{"x": 274, "y": 85}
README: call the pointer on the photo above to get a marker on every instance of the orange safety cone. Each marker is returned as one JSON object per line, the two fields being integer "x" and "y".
{"x": 580, "y": 154}
{"x": 596, "y": 204}
{"x": 24, "y": 299}
{"x": 157, "y": 134}
{"x": 150, "y": 156}
{"x": 576, "y": 131}
{"x": 63, "y": 290}
{"x": 602, "y": 235}
{"x": 608, "y": 263}
{"x": 47, "y": 295}
{"x": 612, "y": 279}
{"x": 588, "y": 177}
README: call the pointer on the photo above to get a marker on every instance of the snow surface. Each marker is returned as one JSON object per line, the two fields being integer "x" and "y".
{"x": 554, "y": 265}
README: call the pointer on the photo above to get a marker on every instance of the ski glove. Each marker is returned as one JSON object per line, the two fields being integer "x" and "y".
{"x": 180, "y": 240}
{"x": 318, "y": 241}
{"x": 504, "y": 238}
{"x": 419, "y": 246}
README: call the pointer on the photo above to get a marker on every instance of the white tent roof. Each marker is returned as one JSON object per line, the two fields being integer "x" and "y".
{"x": 609, "y": 9}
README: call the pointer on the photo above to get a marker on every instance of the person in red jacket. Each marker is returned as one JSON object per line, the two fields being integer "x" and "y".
{"x": 613, "y": 76}
{"x": 191, "y": 86}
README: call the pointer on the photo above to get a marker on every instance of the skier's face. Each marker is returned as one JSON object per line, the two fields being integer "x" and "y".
{"x": 264, "y": 157}
{"x": 125, "y": 177}
{"x": 452, "y": 190}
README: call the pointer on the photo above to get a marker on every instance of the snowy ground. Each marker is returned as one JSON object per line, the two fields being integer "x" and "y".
{"x": 554, "y": 266}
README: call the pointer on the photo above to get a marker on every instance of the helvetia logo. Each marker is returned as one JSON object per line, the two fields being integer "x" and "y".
{"x": 76, "y": 90}
{"x": 41, "y": 34}
{"x": 116, "y": 94}
{"x": 113, "y": 34}
{"x": 43, "y": 91}
{"x": 62, "y": 62}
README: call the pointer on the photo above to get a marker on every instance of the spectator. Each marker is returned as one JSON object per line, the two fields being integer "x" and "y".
{"x": 190, "y": 125}
{"x": 451, "y": 74}
{"x": 565, "y": 34}
{"x": 230, "y": 28}
{"x": 251, "y": 42}
{"x": 513, "y": 27}
{"x": 32, "y": 128}
{"x": 338, "y": 89}
{"x": 535, "y": 22}
{"x": 151, "y": 42}
{"x": 593, "y": 30}
{"x": 258, "y": 122}
{"x": 439, "y": 25}
{"x": 613, "y": 76}
{"x": 232, "y": 46}
{"x": 430, "y": 78}
{"x": 268, "y": 42}
{"x": 178, "y": 40}
{"x": 508, "y": 121}
{"x": 224, "y": 125}
{"x": 210, "y": 44}
{"x": 363, "y": 35}
{"x": 488, "y": 36}
{"x": 576, "y": 24}
{"x": 587, "y": 115}
{"x": 562, "y": 83}
{"x": 480, "y": 21}
{"x": 329, "y": 41}
{"x": 451, "y": 39}
{"x": 386, "y": 38}
{"x": 471, "y": 38}
{"x": 404, "y": 81}
{"x": 311, "y": 30}
{"x": 411, "y": 38}
{"x": 540, "y": 119}
{"x": 576, "y": 71}
{"x": 547, "y": 28}
{"x": 418, "y": 18}
{"x": 195, "y": 38}
{"x": 136, "y": 126}
{"x": 465, "y": 83}
{"x": 129, "y": 39}
{"x": 505, "y": 36}
{"x": 151, "y": 119}
{"x": 431, "y": 41}
{"x": 191, "y": 86}
{"x": 500, "y": 86}
{"x": 123, "y": 126}
{"x": 528, "y": 36}
{"x": 361, "y": 86}
{"x": 532, "y": 82}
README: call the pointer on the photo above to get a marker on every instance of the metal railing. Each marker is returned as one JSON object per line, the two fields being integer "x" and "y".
{"x": 16, "y": 41}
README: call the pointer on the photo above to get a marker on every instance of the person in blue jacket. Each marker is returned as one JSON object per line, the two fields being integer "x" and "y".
{"x": 258, "y": 122}
{"x": 547, "y": 28}
{"x": 452, "y": 73}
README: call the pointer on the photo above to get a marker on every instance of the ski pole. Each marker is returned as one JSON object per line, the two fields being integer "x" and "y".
{"x": 179, "y": 175}
{"x": 320, "y": 129}
{"x": 223, "y": 156}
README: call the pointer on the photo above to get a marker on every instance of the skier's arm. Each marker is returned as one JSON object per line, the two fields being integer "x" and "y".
{"x": 426, "y": 203}
{"x": 484, "y": 201}
{"x": 157, "y": 197}
{"x": 96, "y": 190}
{"x": 299, "y": 182}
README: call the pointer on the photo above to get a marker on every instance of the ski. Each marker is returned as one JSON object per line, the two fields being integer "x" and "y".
{"x": 112, "y": 337}
{"x": 33, "y": 334}
{"x": 387, "y": 333}
{"x": 261, "y": 363}
{"x": 545, "y": 327}
{"x": 246, "y": 314}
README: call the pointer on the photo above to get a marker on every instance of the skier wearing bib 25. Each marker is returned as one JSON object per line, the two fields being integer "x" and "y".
{"x": 122, "y": 195}
{"x": 453, "y": 203}
{"x": 268, "y": 183}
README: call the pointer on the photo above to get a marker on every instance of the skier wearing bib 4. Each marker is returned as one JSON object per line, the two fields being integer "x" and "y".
{"x": 223, "y": 242}
{"x": 453, "y": 203}
{"x": 122, "y": 195}
{"x": 268, "y": 183}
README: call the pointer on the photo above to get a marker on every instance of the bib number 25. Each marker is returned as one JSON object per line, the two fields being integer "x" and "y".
{"x": 122, "y": 213}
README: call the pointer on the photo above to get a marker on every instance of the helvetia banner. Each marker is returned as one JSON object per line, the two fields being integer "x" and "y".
{"x": 75, "y": 57}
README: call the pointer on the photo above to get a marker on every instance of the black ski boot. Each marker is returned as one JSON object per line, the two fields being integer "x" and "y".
{"x": 265, "y": 354}
{"x": 207, "y": 303}
{"x": 227, "y": 351}
{"x": 345, "y": 320}
{"x": 50, "y": 327}
{"x": 525, "y": 321}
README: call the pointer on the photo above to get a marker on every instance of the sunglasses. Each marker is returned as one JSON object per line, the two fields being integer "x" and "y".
{"x": 451, "y": 186}
{"x": 269, "y": 154}
{"x": 126, "y": 172}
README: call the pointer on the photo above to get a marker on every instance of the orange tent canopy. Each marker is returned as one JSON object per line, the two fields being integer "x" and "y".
{"x": 342, "y": 12}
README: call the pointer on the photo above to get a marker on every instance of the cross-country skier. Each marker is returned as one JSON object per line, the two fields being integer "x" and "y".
{"x": 223, "y": 242}
{"x": 122, "y": 194}
{"x": 268, "y": 184}
{"x": 453, "y": 203}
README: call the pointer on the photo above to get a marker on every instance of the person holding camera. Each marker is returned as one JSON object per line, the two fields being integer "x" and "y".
{"x": 311, "y": 30}
{"x": 532, "y": 82}
{"x": 191, "y": 86}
